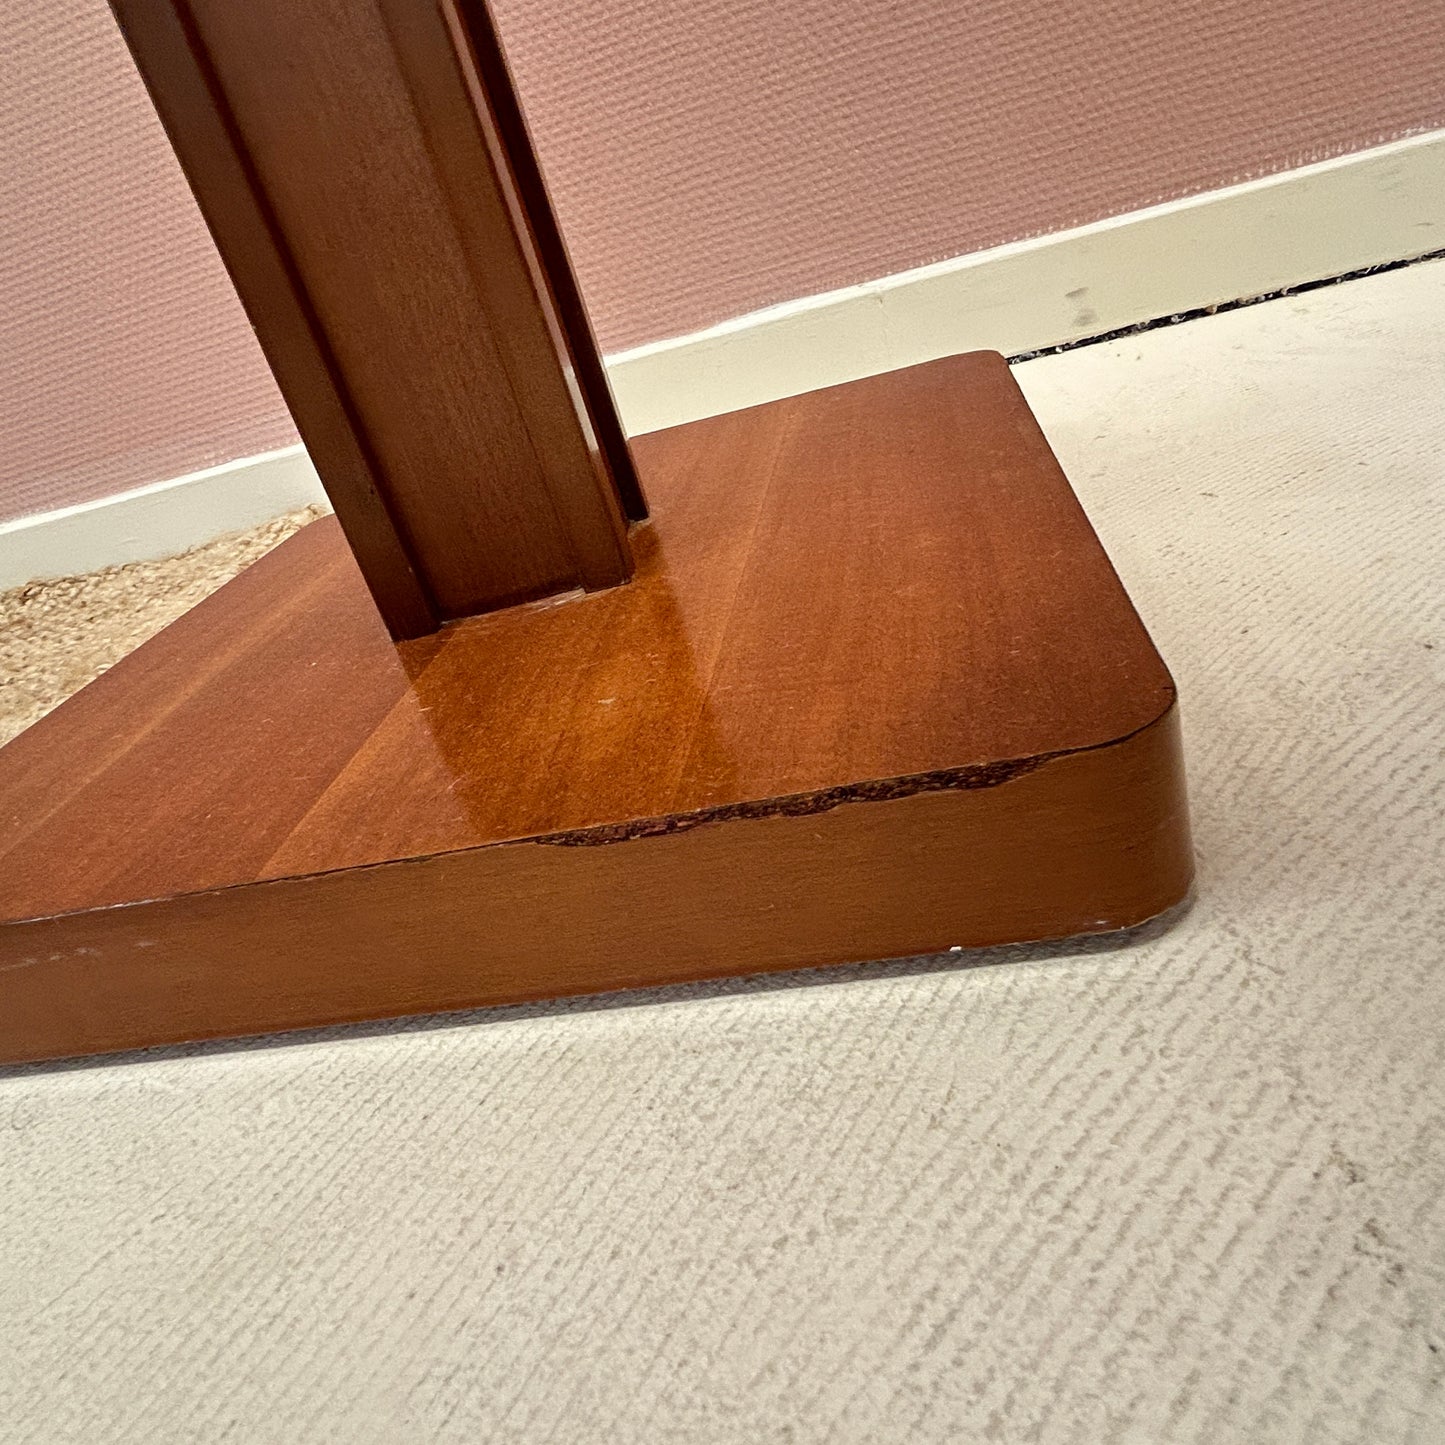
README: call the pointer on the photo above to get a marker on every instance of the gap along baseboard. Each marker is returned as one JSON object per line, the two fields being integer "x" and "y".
{"x": 1364, "y": 209}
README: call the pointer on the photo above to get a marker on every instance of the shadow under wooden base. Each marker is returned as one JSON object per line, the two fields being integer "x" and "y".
{"x": 875, "y": 690}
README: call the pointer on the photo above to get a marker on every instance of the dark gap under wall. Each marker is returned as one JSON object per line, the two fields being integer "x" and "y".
{"x": 1178, "y": 316}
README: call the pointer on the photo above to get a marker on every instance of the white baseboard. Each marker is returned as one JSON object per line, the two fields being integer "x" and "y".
{"x": 1380, "y": 205}
{"x": 1385, "y": 204}
{"x": 160, "y": 520}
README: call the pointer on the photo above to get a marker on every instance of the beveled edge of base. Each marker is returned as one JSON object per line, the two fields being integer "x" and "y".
{"x": 953, "y": 960}
{"x": 1091, "y": 844}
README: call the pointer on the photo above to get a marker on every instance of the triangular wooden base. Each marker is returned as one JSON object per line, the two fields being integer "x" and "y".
{"x": 874, "y": 691}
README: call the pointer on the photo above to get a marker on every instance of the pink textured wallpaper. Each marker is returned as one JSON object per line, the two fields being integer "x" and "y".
{"x": 125, "y": 357}
{"x": 707, "y": 157}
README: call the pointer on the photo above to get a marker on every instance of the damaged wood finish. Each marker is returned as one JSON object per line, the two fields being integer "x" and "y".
{"x": 1090, "y": 843}
{"x": 367, "y": 176}
{"x": 874, "y": 690}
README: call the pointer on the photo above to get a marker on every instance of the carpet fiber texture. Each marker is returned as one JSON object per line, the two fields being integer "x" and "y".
{"x": 59, "y": 634}
{"x": 1190, "y": 1190}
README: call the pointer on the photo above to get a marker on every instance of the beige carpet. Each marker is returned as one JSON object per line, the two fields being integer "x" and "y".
{"x": 1189, "y": 1191}
{"x": 58, "y": 635}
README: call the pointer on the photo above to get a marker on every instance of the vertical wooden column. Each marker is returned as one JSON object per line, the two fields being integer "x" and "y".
{"x": 366, "y": 173}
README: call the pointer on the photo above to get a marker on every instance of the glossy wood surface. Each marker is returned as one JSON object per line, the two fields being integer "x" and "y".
{"x": 494, "y": 96}
{"x": 1097, "y": 841}
{"x": 874, "y": 689}
{"x": 365, "y": 196}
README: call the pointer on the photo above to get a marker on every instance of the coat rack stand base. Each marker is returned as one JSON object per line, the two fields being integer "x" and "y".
{"x": 874, "y": 691}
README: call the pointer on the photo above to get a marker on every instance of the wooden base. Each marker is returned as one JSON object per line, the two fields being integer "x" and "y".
{"x": 874, "y": 691}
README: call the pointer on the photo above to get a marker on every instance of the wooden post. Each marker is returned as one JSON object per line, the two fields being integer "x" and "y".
{"x": 874, "y": 691}
{"x": 366, "y": 173}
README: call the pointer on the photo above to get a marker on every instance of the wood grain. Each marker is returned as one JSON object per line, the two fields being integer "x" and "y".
{"x": 361, "y": 193}
{"x": 875, "y": 688}
{"x": 509, "y": 142}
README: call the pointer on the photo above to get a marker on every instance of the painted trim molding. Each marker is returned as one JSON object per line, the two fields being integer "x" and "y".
{"x": 159, "y": 520}
{"x": 1373, "y": 206}
{"x": 1364, "y": 209}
